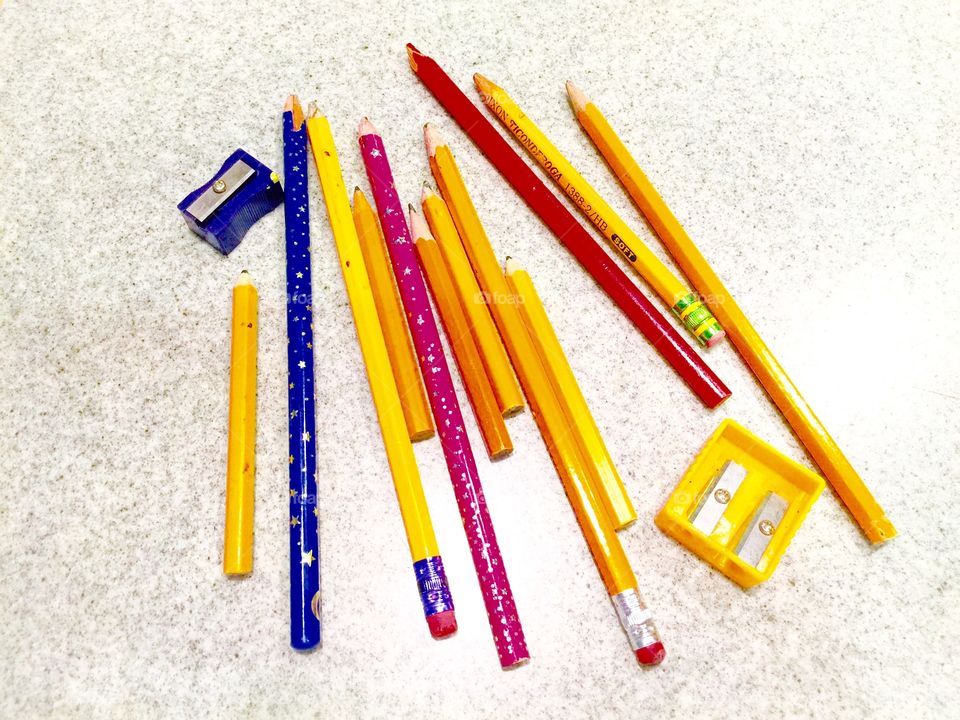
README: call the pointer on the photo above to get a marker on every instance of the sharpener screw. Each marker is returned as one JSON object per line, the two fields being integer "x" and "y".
{"x": 722, "y": 496}
{"x": 219, "y": 186}
{"x": 766, "y": 527}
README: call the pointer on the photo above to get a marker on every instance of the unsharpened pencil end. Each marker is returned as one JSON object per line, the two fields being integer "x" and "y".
{"x": 442, "y": 624}
{"x": 418, "y": 226}
{"x": 651, "y": 654}
{"x": 578, "y": 101}
{"x": 432, "y": 139}
{"x": 292, "y": 105}
{"x": 366, "y": 128}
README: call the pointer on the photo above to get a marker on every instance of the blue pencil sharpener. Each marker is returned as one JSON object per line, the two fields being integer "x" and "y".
{"x": 226, "y": 206}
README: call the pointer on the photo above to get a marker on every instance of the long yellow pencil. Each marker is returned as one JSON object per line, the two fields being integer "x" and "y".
{"x": 594, "y": 521}
{"x": 808, "y": 428}
{"x": 242, "y": 434}
{"x": 693, "y": 314}
{"x": 477, "y": 244}
{"x": 406, "y": 371}
{"x": 427, "y": 565}
{"x": 606, "y": 479}
{"x": 485, "y": 335}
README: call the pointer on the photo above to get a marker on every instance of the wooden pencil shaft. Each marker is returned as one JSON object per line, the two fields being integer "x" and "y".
{"x": 242, "y": 432}
{"x": 301, "y": 390}
{"x": 485, "y": 408}
{"x": 603, "y": 474}
{"x": 476, "y": 306}
{"x": 826, "y": 453}
{"x": 403, "y": 362}
{"x": 403, "y": 465}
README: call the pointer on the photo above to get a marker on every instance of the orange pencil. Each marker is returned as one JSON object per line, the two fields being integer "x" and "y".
{"x": 474, "y": 303}
{"x": 465, "y": 352}
{"x": 406, "y": 373}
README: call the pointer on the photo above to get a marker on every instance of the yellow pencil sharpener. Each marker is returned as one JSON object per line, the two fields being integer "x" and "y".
{"x": 739, "y": 504}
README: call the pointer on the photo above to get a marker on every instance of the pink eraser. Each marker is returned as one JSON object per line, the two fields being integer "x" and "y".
{"x": 652, "y": 654}
{"x": 442, "y": 624}
{"x": 716, "y": 338}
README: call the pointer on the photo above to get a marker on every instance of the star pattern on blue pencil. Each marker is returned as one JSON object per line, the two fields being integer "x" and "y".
{"x": 304, "y": 539}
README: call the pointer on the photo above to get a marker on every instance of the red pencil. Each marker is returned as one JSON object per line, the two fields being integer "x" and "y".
{"x": 661, "y": 334}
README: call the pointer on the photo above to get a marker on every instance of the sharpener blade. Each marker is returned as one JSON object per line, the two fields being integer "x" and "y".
{"x": 716, "y": 498}
{"x": 220, "y": 190}
{"x": 762, "y": 528}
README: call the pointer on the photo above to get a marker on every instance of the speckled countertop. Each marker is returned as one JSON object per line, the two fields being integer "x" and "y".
{"x": 813, "y": 155}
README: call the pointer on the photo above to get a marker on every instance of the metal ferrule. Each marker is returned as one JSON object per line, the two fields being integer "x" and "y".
{"x": 433, "y": 587}
{"x": 636, "y": 620}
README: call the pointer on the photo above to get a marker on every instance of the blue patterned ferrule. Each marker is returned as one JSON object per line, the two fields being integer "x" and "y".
{"x": 432, "y": 583}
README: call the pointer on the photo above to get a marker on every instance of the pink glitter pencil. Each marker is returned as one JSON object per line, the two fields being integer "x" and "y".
{"x": 501, "y": 609}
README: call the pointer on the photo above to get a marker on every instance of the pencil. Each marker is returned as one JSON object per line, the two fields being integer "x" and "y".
{"x": 694, "y": 315}
{"x": 826, "y": 453}
{"x": 242, "y": 434}
{"x": 607, "y": 483}
{"x": 304, "y": 540}
{"x": 608, "y": 554}
{"x": 461, "y": 466}
{"x": 475, "y": 304}
{"x": 484, "y": 403}
{"x": 427, "y": 564}
{"x": 475, "y": 243}
{"x": 413, "y": 397}
{"x": 664, "y": 338}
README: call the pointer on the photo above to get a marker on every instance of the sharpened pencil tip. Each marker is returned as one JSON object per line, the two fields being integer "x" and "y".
{"x": 578, "y": 101}
{"x": 412, "y": 54}
{"x": 432, "y": 139}
{"x": 418, "y": 226}
{"x": 244, "y": 278}
{"x": 366, "y": 128}
{"x": 292, "y": 105}
{"x": 426, "y": 192}
{"x": 484, "y": 85}
{"x": 511, "y": 266}
{"x": 312, "y": 109}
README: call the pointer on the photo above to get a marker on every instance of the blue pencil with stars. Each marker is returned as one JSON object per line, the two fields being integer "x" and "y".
{"x": 304, "y": 539}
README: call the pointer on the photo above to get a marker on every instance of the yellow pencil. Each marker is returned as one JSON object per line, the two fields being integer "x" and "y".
{"x": 693, "y": 314}
{"x": 432, "y": 582}
{"x": 814, "y": 436}
{"x": 406, "y": 372}
{"x": 242, "y": 434}
{"x": 454, "y": 320}
{"x": 607, "y": 483}
{"x": 477, "y": 245}
{"x": 594, "y": 521}
{"x": 485, "y": 335}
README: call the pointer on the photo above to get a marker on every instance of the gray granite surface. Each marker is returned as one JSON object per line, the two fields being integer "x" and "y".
{"x": 811, "y": 149}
